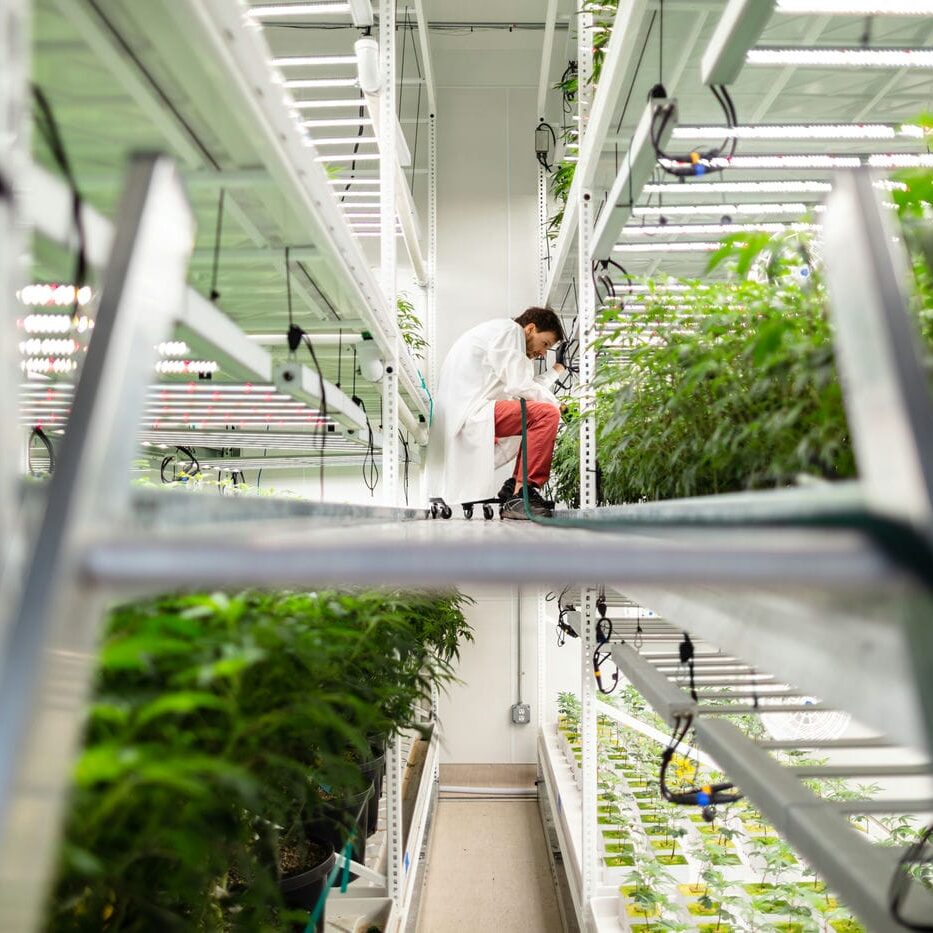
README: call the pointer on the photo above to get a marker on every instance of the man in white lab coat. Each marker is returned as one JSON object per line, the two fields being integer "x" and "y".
{"x": 477, "y": 415}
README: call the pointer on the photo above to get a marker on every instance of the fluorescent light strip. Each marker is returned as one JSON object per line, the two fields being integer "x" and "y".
{"x": 856, "y": 7}
{"x": 371, "y": 182}
{"x": 346, "y": 141}
{"x": 353, "y": 215}
{"x": 901, "y": 161}
{"x": 673, "y": 210}
{"x": 665, "y": 247}
{"x": 842, "y": 58}
{"x": 350, "y": 157}
{"x": 313, "y": 60}
{"x": 353, "y": 102}
{"x": 309, "y": 83}
{"x": 51, "y": 296}
{"x": 801, "y": 131}
{"x": 321, "y": 124}
{"x": 298, "y": 9}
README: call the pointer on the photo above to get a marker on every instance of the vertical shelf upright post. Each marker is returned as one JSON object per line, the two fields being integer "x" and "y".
{"x": 542, "y": 661}
{"x": 390, "y": 441}
{"x": 388, "y": 174}
{"x": 432, "y": 254}
{"x": 14, "y": 150}
{"x": 542, "y": 235}
{"x": 586, "y": 311}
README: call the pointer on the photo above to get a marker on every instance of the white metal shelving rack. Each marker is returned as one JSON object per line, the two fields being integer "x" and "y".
{"x": 870, "y": 654}
{"x": 45, "y": 665}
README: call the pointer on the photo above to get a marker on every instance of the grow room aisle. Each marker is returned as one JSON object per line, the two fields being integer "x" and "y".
{"x": 488, "y": 869}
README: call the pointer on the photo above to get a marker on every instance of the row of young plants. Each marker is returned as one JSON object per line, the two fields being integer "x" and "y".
{"x": 677, "y": 872}
{"x": 730, "y": 383}
{"x": 234, "y": 741}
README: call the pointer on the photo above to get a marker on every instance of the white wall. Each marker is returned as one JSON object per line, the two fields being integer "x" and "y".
{"x": 487, "y": 215}
{"x": 487, "y": 207}
{"x": 475, "y": 715}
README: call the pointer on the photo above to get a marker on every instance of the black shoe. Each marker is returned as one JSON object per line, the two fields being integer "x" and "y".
{"x": 537, "y": 506}
{"x": 507, "y": 491}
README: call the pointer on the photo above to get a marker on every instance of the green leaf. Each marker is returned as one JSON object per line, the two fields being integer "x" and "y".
{"x": 136, "y": 652}
{"x": 179, "y": 704}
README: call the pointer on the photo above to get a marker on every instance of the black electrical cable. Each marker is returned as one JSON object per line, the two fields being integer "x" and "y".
{"x": 697, "y": 162}
{"x": 370, "y": 470}
{"x": 407, "y": 462}
{"x": 543, "y": 154}
{"x": 43, "y": 439}
{"x": 356, "y": 149}
{"x": 707, "y": 797}
{"x": 603, "y": 637}
{"x": 631, "y": 88}
{"x": 49, "y": 129}
{"x": 295, "y": 337}
{"x": 901, "y": 880}
{"x": 165, "y": 462}
{"x": 194, "y": 465}
{"x": 218, "y": 231}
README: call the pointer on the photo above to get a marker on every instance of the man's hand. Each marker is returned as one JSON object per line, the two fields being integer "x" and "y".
{"x": 560, "y": 368}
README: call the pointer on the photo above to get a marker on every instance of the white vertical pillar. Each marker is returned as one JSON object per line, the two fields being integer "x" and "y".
{"x": 542, "y": 235}
{"x": 588, "y": 742}
{"x": 586, "y": 310}
{"x": 394, "y": 867}
{"x": 388, "y": 175}
{"x": 432, "y": 360}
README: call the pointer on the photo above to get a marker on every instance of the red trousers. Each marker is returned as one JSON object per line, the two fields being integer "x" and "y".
{"x": 543, "y": 420}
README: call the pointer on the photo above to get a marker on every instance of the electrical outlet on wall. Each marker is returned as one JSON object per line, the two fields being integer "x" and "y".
{"x": 521, "y": 714}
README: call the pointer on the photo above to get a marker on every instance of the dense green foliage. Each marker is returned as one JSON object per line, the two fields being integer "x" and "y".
{"x": 218, "y": 725}
{"x": 731, "y": 384}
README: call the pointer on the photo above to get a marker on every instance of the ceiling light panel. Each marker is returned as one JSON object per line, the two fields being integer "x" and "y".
{"x": 740, "y": 187}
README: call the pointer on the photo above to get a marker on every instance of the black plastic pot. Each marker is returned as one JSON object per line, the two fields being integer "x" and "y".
{"x": 302, "y": 890}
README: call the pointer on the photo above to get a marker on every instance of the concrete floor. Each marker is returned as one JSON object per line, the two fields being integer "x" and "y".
{"x": 487, "y": 869}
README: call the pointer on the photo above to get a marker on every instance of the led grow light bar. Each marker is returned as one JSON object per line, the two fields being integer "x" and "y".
{"x": 801, "y": 131}
{"x": 52, "y": 296}
{"x": 856, "y": 7}
{"x": 780, "y": 162}
{"x": 665, "y": 247}
{"x": 322, "y": 124}
{"x": 673, "y": 210}
{"x": 842, "y": 58}
{"x": 739, "y": 187}
{"x": 346, "y": 141}
{"x": 308, "y": 83}
{"x": 314, "y": 61}
{"x": 326, "y": 104}
{"x": 713, "y": 229}
{"x": 350, "y": 157}
{"x": 298, "y": 9}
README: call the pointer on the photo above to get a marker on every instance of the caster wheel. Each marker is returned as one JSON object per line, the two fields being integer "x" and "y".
{"x": 468, "y": 511}
{"x": 433, "y": 510}
{"x": 446, "y": 511}
{"x": 488, "y": 512}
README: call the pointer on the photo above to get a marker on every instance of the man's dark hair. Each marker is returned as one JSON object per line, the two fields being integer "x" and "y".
{"x": 544, "y": 319}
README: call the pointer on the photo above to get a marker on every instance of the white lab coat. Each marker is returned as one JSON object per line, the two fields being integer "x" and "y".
{"x": 487, "y": 364}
